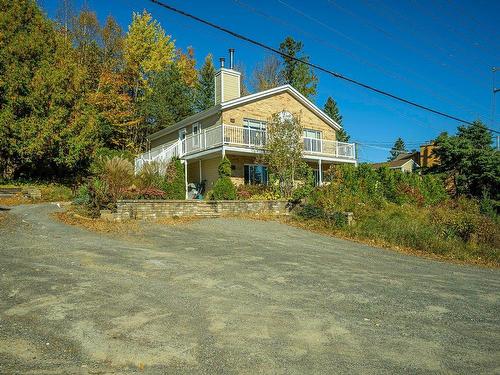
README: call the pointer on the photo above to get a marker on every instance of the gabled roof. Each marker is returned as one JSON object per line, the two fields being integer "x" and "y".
{"x": 278, "y": 90}
{"x": 247, "y": 99}
{"x": 400, "y": 160}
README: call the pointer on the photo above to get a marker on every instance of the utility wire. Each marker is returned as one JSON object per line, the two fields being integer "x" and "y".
{"x": 312, "y": 65}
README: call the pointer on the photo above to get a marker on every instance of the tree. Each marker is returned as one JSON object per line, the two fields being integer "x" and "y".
{"x": 187, "y": 66}
{"x": 398, "y": 148}
{"x": 27, "y": 41}
{"x": 267, "y": 74}
{"x": 295, "y": 73}
{"x": 112, "y": 45}
{"x": 168, "y": 101}
{"x": 205, "y": 89}
{"x": 332, "y": 110}
{"x": 86, "y": 34}
{"x": 471, "y": 160}
{"x": 147, "y": 50}
{"x": 283, "y": 151}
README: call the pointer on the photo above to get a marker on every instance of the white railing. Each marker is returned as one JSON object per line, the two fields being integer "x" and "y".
{"x": 238, "y": 136}
{"x": 161, "y": 154}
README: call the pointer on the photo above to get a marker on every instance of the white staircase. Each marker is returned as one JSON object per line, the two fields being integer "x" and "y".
{"x": 162, "y": 154}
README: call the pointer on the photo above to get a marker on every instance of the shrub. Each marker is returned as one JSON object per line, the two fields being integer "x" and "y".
{"x": 150, "y": 175}
{"x": 118, "y": 173}
{"x": 174, "y": 183}
{"x": 223, "y": 189}
{"x": 224, "y": 168}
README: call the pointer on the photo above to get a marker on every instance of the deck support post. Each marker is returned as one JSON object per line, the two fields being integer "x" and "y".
{"x": 199, "y": 165}
{"x": 320, "y": 182}
{"x": 186, "y": 177}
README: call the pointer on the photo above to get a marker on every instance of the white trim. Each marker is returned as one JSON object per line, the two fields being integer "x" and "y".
{"x": 242, "y": 100}
{"x": 276, "y": 90}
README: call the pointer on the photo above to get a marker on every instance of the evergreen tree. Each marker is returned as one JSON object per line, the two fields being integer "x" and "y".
{"x": 168, "y": 101}
{"x": 396, "y": 150}
{"x": 205, "y": 90}
{"x": 299, "y": 75}
{"x": 471, "y": 160}
{"x": 332, "y": 110}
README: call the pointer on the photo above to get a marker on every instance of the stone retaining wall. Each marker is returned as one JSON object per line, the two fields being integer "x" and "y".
{"x": 157, "y": 209}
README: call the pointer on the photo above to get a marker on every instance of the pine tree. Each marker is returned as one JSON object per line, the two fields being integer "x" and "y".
{"x": 332, "y": 110}
{"x": 205, "y": 90}
{"x": 396, "y": 150}
{"x": 168, "y": 101}
{"x": 299, "y": 75}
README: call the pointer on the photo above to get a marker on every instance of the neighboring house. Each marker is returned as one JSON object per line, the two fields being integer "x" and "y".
{"x": 404, "y": 162}
{"x": 236, "y": 127}
{"x": 427, "y": 157}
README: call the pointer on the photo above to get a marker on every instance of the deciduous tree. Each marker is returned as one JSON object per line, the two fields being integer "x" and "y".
{"x": 283, "y": 150}
{"x": 267, "y": 74}
{"x": 148, "y": 50}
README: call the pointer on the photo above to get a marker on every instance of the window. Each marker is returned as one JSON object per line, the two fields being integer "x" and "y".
{"x": 312, "y": 140}
{"x": 196, "y": 135}
{"x": 255, "y": 174}
{"x": 285, "y": 116}
{"x": 254, "y": 132}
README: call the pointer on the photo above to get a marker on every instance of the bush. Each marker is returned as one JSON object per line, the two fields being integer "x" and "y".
{"x": 224, "y": 168}
{"x": 223, "y": 189}
{"x": 151, "y": 175}
{"x": 174, "y": 183}
{"x": 118, "y": 173}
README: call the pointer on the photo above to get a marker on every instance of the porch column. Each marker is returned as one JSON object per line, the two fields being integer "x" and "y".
{"x": 320, "y": 182}
{"x": 186, "y": 177}
{"x": 199, "y": 164}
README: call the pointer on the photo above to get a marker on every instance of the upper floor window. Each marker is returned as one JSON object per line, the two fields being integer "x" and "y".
{"x": 254, "y": 124}
{"x": 285, "y": 116}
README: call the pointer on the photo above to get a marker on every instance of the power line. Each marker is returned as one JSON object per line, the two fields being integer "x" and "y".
{"x": 312, "y": 65}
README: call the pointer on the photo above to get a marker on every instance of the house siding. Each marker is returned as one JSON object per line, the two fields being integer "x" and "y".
{"x": 263, "y": 109}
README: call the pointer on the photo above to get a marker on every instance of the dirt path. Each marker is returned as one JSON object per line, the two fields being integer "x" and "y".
{"x": 233, "y": 296}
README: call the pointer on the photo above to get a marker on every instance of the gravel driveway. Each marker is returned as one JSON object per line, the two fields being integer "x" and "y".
{"x": 222, "y": 296}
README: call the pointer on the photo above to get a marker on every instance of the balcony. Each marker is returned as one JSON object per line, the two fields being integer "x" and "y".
{"x": 255, "y": 140}
{"x": 242, "y": 139}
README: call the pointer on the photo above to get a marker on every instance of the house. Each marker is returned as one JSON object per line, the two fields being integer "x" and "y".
{"x": 427, "y": 157}
{"x": 404, "y": 162}
{"x": 235, "y": 127}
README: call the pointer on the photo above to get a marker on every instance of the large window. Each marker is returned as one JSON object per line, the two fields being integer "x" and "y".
{"x": 254, "y": 132}
{"x": 312, "y": 140}
{"x": 255, "y": 174}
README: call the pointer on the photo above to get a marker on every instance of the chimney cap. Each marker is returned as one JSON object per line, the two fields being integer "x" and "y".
{"x": 222, "y": 61}
{"x": 231, "y": 58}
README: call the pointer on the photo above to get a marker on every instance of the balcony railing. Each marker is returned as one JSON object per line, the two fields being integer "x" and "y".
{"x": 241, "y": 137}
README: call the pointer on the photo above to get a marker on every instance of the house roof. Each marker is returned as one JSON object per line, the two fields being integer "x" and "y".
{"x": 400, "y": 160}
{"x": 246, "y": 99}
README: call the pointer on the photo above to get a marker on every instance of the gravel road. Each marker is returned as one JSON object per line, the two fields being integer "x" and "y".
{"x": 233, "y": 296}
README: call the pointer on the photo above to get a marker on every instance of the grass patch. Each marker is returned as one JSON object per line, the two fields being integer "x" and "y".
{"x": 98, "y": 225}
{"x": 439, "y": 232}
{"x": 50, "y": 192}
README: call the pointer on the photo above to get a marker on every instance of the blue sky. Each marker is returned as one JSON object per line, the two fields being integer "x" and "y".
{"x": 437, "y": 53}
